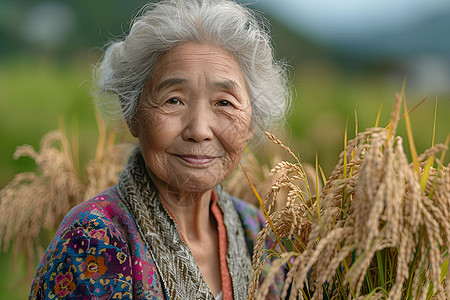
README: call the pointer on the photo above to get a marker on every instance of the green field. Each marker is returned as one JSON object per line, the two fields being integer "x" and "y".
{"x": 35, "y": 94}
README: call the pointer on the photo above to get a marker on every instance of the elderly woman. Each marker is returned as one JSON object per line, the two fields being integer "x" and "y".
{"x": 196, "y": 80}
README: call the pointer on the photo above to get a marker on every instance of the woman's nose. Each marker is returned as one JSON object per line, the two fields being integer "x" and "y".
{"x": 199, "y": 121}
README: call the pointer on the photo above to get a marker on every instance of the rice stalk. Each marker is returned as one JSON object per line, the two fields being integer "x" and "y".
{"x": 379, "y": 229}
{"x": 37, "y": 201}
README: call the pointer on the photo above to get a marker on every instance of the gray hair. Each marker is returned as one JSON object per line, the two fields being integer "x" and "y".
{"x": 128, "y": 64}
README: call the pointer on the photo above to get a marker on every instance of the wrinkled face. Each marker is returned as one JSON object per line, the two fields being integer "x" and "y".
{"x": 194, "y": 118}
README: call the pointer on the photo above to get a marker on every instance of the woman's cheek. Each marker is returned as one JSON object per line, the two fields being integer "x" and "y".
{"x": 235, "y": 129}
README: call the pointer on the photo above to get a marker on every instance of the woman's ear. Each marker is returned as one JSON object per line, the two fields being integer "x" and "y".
{"x": 133, "y": 126}
{"x": 251, "y": 132}
{"x": 132, "y": 122}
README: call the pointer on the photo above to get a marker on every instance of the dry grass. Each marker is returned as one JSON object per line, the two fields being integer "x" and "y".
{"x": 379, "y": 229}
{"x": 32, "y": 202}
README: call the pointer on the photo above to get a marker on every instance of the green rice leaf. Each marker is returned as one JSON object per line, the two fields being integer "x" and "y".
{"x": 410, "y": 137}
{"x": 377, "y": 121}
{"x": 426, "y": 172}
{"x": 261, "y": 203}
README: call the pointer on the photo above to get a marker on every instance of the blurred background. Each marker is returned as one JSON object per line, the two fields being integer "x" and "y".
{"x": 345, "y": 57}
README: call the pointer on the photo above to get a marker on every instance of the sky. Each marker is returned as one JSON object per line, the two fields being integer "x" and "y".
{"x": 348, "y": 19}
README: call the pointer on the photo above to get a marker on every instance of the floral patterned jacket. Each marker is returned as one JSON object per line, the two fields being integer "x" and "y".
{"x": 109, "y": 248}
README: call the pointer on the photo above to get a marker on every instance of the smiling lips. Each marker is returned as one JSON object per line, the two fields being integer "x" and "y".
{"x": 196, "y": 159}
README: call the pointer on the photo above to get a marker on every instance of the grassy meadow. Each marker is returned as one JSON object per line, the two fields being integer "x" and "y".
{"x": 37, "y": 95}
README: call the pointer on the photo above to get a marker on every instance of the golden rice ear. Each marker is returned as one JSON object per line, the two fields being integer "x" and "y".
{"x": 37, "y": 201}
{"x": 33, "y": 201}
{"x": 381, "y": 226}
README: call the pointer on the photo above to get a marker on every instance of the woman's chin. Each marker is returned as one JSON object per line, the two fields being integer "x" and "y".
{"x": 195, "y": 186}
{"x": 192, "y": 183}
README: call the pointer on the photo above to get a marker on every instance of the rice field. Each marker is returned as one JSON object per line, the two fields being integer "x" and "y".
{"x": 38, "y": 96}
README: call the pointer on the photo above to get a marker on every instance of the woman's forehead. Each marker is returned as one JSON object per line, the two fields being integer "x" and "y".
{"x": 191, "y": 53}
{"x": 188, "y": 61}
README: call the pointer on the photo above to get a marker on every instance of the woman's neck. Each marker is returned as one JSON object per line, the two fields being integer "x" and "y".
{"x": 191, "y": 211}
{"x": 198, "y": 228}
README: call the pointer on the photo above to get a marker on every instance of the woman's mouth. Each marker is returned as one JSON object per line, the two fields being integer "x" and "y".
{"x": 196, "y": 159}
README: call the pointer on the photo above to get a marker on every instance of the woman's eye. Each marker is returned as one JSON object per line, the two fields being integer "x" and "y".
{"x": 224, "y": 103}
{"x": 174, "y": 101}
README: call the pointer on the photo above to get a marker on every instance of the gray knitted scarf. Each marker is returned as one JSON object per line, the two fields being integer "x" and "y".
{"x": 180, "y": 275}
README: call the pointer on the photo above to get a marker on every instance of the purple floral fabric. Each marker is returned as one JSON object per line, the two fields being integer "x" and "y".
{"x": 99, "y": 253}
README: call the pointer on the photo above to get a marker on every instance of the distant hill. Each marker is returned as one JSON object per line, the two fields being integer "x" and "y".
{"x": 430, "y": 36}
